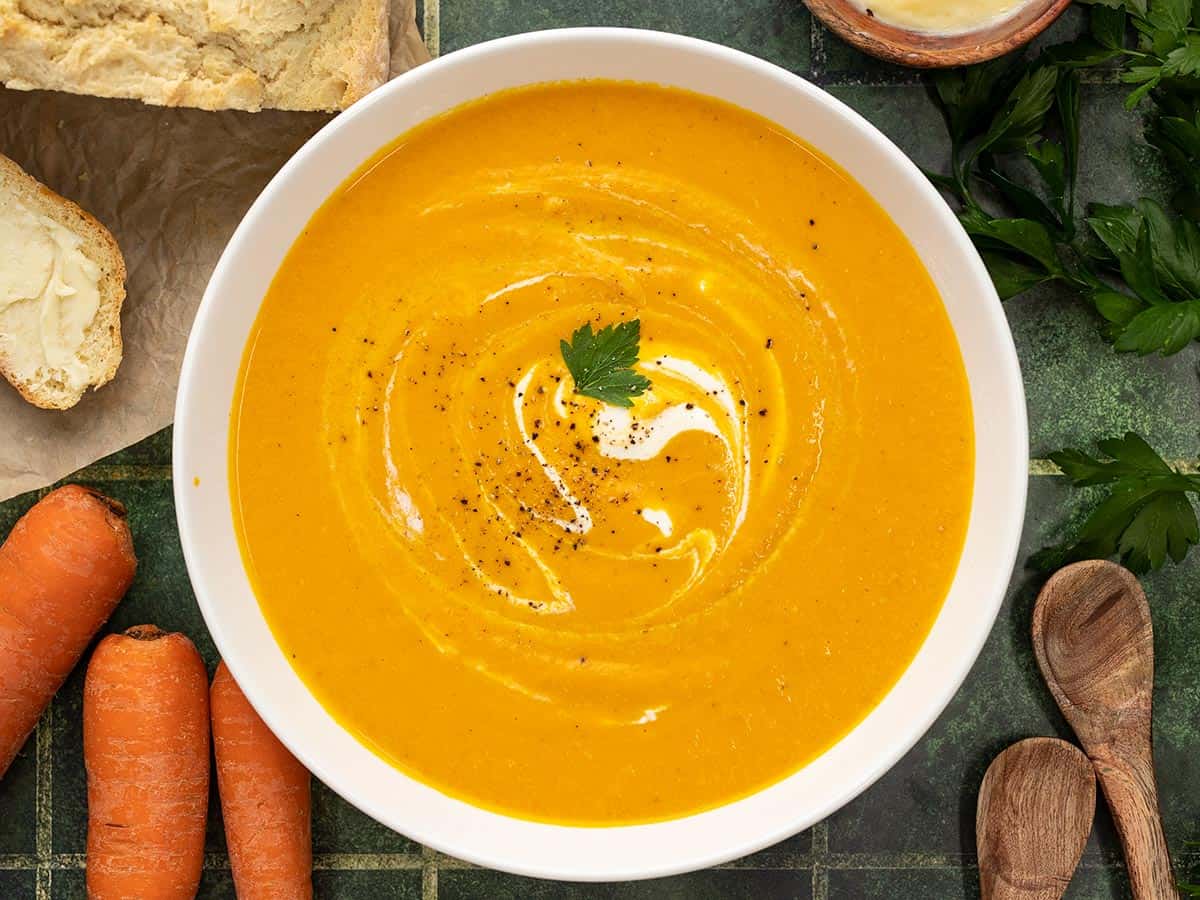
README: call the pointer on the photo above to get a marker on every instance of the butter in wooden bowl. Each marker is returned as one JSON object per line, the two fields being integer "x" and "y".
{"x": 937, "y": 33}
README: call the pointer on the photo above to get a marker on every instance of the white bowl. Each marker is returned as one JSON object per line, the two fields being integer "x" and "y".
{"x": 202, "y": 419}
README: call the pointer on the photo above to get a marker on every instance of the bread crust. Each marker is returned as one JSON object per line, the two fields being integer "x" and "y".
{"x": 98, "y": 244}
{"x": 281, "y": 54}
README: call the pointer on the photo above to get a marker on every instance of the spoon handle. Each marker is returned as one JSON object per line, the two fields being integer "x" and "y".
{"x": 1127, "y": 779}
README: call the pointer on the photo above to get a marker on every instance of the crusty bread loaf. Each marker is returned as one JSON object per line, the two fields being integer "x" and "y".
{"x": 216, "y": 54}
{"x": 97, "y": 357}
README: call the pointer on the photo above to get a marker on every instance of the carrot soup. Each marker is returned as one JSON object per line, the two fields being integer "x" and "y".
{"x": 601, "y": 453}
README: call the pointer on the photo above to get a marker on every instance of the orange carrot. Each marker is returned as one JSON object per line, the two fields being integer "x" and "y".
{"x": 265, "y": 800}
{"x": 145, "y": 746}
{"x": 63, "y": 569}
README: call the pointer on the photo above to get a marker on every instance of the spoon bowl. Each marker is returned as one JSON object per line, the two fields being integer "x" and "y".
{"x": 1035, "y": 812}
{"x": 1095, "y": 646}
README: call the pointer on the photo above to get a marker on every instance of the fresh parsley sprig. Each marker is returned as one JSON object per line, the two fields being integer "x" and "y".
{"x": 1165, "y": 54}
{"x": 1159, "y": 260}
{"x": 1146, "y": 516}
{"x": 1014, "y": 132}
{"x": 1175, "y": 131}
{"x": 601, "y": 363}
{"x": 1163, "y": 63}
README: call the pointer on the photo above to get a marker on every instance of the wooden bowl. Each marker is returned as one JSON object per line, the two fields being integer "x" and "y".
{"x": 863, "y": 30}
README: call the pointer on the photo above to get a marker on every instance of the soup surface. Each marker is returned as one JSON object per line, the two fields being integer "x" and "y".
{"x": 563, "y": 608}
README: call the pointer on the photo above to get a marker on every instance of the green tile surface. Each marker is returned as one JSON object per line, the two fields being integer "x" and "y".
{"x": 217, "y": 884}
{"x": 1090, "y": 883}
{"x": 340, "y": 828}
{"x": 18, "y": 805}
{"x": 16, "y": 883}
{"x": 723, "y": 884}
{"x": 777, "y": 30}
{"x": 911, "y": 835}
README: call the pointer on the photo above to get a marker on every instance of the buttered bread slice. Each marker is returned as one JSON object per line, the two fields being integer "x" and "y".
{"x": 62, "y": 283}
{"x": 217, "y": 54}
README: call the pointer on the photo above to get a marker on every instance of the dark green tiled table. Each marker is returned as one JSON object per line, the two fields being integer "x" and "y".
{"x": 911, "y": 835}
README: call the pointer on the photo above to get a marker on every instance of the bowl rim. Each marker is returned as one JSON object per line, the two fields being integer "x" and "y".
{"x": 574, "y": 852}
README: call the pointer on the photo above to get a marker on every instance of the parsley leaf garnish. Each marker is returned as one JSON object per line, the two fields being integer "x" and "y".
{"x": 1146, "y": 516}
{"x": 601, "y": 363}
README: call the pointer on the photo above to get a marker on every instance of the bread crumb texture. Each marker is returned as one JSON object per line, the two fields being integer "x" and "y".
{"x": 212, "y": 54}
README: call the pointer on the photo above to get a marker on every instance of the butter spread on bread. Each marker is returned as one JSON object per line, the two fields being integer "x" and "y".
{"x": 61, "y": 290}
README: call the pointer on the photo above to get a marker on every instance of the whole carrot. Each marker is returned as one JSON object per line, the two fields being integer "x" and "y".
{"x": 63, "y": 569}
{"x": 265, "y": 800}
{"x": 145, "y": 746}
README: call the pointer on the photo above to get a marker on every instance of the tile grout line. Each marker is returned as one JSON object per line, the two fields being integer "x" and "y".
{"x": 816, "y": 51}
{"x": 43, "y": 802}
{"x": 108, "y": 472}
{"x": 431, "y": 27}
{"x": 1048, "y": 467}
{"x": 1043, "y": 467}
{"x": 429, "y": 874}
{"x": 896, "y": 860}
{"x": 820, "y": 852}
{"x": 371, "y": 862}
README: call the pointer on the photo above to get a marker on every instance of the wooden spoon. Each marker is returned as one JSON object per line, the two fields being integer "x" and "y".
{"x": 1035, "y": 812}
{"x": 1095, "y": 647}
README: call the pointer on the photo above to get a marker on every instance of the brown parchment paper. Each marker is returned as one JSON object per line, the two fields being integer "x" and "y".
{"x": 171, "y": 185}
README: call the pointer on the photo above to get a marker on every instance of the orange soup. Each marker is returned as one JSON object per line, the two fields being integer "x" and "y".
{"x": 615, "y": 573}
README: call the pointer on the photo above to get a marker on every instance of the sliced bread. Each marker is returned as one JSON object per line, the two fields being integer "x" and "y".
{"x": 62, "y": 283}
{"x": 220, "y": 54}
